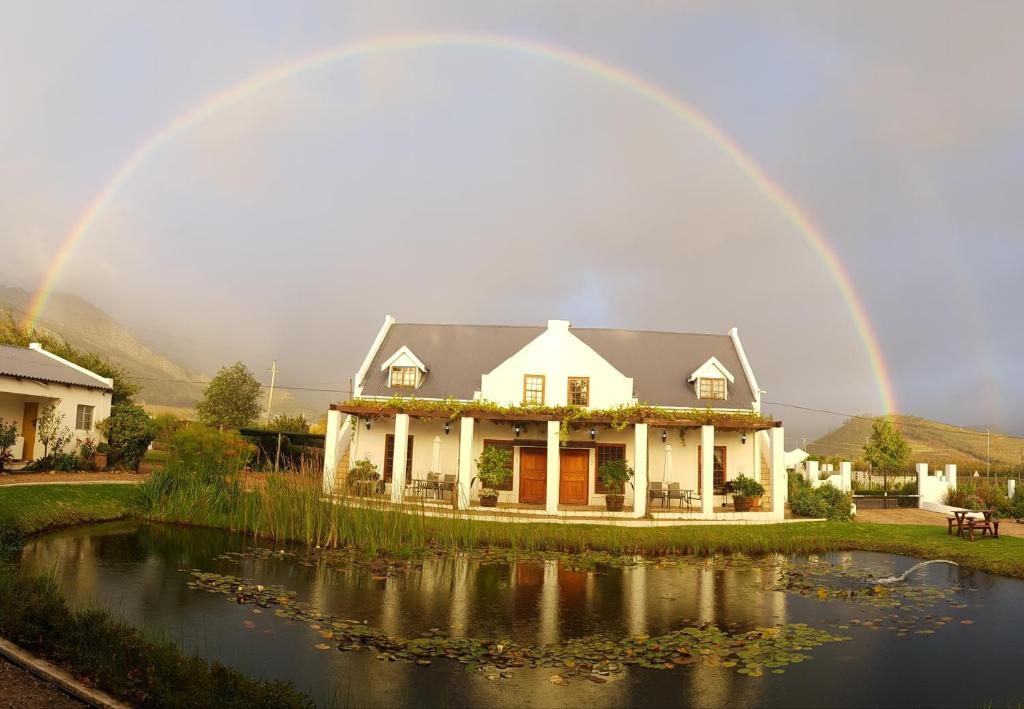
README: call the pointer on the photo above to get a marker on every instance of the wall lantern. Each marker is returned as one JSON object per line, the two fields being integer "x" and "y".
{"x": 447, "y": 427}
{"x": 593, "y": 433}
{"x": 743, "y": 437}
{"x": 368, "y": 424}
{"x": 664, "y": 435}
{"x": 517, "y": 430}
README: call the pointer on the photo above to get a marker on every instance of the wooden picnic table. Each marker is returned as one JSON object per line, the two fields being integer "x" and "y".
{"x": 987, "y": 524}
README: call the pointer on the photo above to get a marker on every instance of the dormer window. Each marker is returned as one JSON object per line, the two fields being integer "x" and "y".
{"x": 404, "y": 369}
{"x": 404, "y": 376}
{"x": 712, "y": 388}
{"x": 711, "y": 380}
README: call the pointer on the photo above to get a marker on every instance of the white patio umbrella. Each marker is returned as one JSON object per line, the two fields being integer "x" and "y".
{"x": 666, "y": 470}
{"x": 435, "y": 456}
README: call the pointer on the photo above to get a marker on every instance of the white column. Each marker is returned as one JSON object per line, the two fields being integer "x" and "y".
{"x": 332, "y": 453}
{"x": 399, "y": 458}
{"x": 951, "y": 475}
{"x": 707, "y": 469}
{"x": 640, "y": 470}
{"x": 465, "y": 463}
{"x": 777, "y": 466}
{"x": 1011, "y": 487}
{"x": 846, "y": 475}
{"x": 811, "y": 470}
{"x": 922, "y": 482}
{"x": 551, "y": 501}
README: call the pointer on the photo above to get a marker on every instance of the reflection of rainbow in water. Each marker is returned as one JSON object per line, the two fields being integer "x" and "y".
{"x": 611, "y": 74}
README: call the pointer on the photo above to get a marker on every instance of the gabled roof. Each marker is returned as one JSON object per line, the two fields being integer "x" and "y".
{"x": 658, "y": 362}
{"x": 712, "y": 368}
{"x": 402, "y": 357}
{"x": 25, "y": 363}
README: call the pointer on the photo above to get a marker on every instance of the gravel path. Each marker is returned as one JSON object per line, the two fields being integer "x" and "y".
{"x": 20, "y": 689}
{"x": 50, "y": 478}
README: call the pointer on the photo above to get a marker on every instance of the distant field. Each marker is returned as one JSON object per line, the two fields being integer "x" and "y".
{"x": 932, "y": 442}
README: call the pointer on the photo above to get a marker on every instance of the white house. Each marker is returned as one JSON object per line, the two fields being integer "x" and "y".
{"x": 32, "y": 379}
{"x": 706, "y": 377}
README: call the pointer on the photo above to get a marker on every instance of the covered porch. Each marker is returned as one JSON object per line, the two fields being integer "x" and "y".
{"x": 554, "y": 467}
{"x": 22, "y": 407}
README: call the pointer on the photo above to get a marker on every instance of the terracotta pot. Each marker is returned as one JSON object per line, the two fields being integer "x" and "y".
{"x": 491, "y": 501}
{"x": 614, "y": 501}
{"x": 99, "y": 461}
{"x": 745, "y": 504}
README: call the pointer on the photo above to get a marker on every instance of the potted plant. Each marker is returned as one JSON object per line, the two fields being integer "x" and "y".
{"x": 492, "y": 470}
{"x": 614, "y": 475}
{"x": 746, "y": 493}
{"x": 99, "y": 458}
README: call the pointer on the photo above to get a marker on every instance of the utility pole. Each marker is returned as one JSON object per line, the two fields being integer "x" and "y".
{"x": 273, "y": 380}
{"x": 988, "y": 452}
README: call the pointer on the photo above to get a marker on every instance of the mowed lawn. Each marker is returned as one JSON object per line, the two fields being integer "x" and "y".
{"x": 33, "y": 508}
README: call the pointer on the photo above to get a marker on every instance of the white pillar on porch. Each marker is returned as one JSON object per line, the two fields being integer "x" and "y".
{"x": 707, "y": 469}
{"x": 777, "y": 469}
{"x": 641, "y": 468}
{"x": 465, "y": 477}
{"x": 332, "y": 453}
{"x": 398, "y": 460}
{"x": 554, "y": 469}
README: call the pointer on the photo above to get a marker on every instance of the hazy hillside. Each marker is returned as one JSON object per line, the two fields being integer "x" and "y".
{"x": 165, "y": 383}
{"x": 932, "y": 442}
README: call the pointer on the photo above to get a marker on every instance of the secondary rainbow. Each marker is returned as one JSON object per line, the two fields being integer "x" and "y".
{"x": 589, "y": 65}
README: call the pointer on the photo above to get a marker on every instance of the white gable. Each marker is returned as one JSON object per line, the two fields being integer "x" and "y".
{"x": 557, "y": 354}
{"x": 403, "y": 358}
{"x": 712, "y": 369}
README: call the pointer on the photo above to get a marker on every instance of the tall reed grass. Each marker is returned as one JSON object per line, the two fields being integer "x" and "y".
{"x": 291, "y": 507}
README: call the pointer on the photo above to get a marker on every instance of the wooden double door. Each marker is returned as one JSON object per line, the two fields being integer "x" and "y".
{"x": 574, "y": 476}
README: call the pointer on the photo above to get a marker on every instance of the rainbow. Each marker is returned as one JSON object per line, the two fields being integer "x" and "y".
{"x": 581, "y": 62}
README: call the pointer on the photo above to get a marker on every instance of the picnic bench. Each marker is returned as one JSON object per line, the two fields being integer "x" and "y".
{"x": 965, "y": 526}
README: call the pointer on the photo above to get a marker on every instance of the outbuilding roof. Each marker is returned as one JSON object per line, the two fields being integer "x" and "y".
{"x": 659, "y": 362}
{"x": 26, "y": 363}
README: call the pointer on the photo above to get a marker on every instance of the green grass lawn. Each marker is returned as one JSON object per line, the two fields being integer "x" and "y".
{"x": 33, "y": 508}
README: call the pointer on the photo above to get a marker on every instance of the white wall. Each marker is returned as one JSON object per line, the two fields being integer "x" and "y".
{"x": 14, "y": 394}
{"x": 558, "y": 355}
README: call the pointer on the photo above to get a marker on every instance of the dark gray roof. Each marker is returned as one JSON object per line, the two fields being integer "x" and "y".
{"x": 659, "y": 362}
{"x": 23, "y": 363}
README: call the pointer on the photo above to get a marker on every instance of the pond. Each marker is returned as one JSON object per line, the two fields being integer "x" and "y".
{"x": 488, "y": 630}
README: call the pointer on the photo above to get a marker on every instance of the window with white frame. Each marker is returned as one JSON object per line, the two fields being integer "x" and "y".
{"x": 712, "y": 388}
{"x": 403, "y": 376}
{"x": 533, "y": 389}
{"x": 83, "y": 417}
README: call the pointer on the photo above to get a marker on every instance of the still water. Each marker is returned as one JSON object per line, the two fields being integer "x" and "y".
{"x": 954, "y": 638}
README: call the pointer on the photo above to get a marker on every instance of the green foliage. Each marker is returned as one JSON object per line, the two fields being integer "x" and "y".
{"x": 34, "y": 508}
{"x": 50, "y": 429}
{"x": 129, "y": 431}
{"x": 363, "y": 469}
{"x": 614, "y": 475}
{"x": 1015, "y": 506}
{"x": 289, "y": 424}
{"x": 825, "y": 502}
{"x": 8, "y": 437}
{"x": 886, "y": 449}
{"x": 14, "y": 334}
{"x": 746, "y": 487}
{"x": 61, "y": 462}
{"x": 493, "y": 469}
{"x": 231, "y": 399}
{"x": 164, "y": 425}
{"x": 203, "y": 443}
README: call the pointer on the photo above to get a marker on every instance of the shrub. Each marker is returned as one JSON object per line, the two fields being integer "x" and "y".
{"x": 129, "y": 431}
{"x": 826, "y": 501}
{"x": 746, "y": 487}
{"x": 226, "y": 450}
{"x": 614, "y": 475}
{"x": 8, "y": 437}
{"x": 493, "y": 468}
{"x": 363, "y": 470}
{"x": 60, "y": 462}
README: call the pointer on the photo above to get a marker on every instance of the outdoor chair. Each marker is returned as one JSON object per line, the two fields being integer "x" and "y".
{"x": 448, "y": 486}
{"x": 674, "y": 493}
{"x": 655, "y": 491}
{"x": 434, "y": 484}
{"x": 691, "y": 498}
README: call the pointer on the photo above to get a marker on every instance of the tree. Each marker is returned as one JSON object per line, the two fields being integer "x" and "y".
{"x": 8, "y": 437}
{"x": 289, "y": 424}
{"x": 129, "y": 431}
{"x": 16, "y": 335}
{"x": 51, "y": 430}
{"x": 232, "y": 398}
{"x": 886, "y": 449}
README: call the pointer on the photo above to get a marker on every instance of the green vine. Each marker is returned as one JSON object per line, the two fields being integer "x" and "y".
{"x": 620, "y": 417}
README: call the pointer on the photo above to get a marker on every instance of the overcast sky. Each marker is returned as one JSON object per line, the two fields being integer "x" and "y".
{"x": 455, "y": 184}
